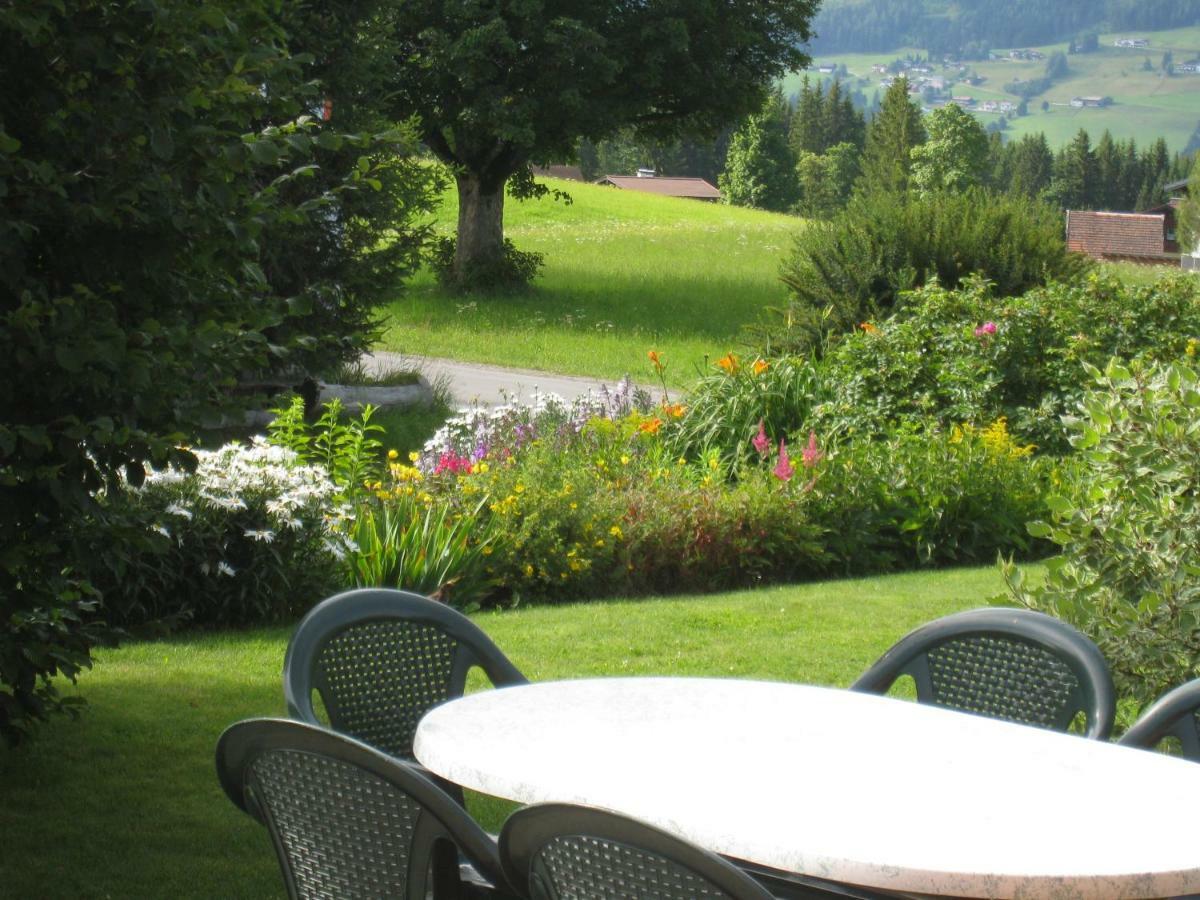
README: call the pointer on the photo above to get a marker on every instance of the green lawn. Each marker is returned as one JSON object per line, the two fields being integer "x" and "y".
{"x": 625, "y": 273}
{"x": 125, "y": 802}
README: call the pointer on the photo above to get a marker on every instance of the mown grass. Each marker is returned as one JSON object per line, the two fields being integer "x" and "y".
{"x": 625, "y": 273}
{"x": 125, "y": 802}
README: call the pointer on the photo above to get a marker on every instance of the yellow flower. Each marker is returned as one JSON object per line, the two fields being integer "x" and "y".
{"x": 574, "y": 505}
{"x": 518, "y": 488}
{"x": 729, "y": 363}
{"x": 624, "y": 460}
{"x": 760, "y": 366}
{"x": 482, "y": 467}
{"x": 599, "y": 542}
{"x": 487, "y": 551}
{"x": 528, "y": 571}
{"x": 615, "y": 531}
{"x": 393, "y": 454}
{"x": 413, "y": 456}
{"x": 1192, "y": 344}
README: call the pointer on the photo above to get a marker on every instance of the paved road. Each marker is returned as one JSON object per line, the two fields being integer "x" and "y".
{"x": 471, "y": 382}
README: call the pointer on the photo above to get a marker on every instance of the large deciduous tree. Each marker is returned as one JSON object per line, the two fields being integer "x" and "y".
{"x": 498, "y": 85}
{"x": 955, "y": 156}
{"x": 760, "y": 170}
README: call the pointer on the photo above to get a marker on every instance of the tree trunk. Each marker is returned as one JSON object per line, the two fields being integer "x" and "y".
{"x": 480, "y": 242}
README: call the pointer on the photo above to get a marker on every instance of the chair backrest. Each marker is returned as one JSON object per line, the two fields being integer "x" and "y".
{"x": 557, "y": 851}
{"x": 346, "y": 820}
{"x": 380, "y": 659}
{"x": 1012, "y": 664}
{"x": 1175, "y": 714}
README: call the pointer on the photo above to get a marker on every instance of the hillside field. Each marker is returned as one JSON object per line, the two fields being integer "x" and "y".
{"x": 624, "y": 273}
{"x": 1146, "y": 105}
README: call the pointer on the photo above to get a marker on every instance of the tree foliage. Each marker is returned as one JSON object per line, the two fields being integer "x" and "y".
{"x": 175, "y": 222}
{"x": 499, "y": 86}
{"x": 955, "y": 156}
{"x": 893, "y": 133}
{"x": 759, "y": 168}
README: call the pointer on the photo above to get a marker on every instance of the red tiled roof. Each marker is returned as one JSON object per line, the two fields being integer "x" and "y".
{"x": 696, "y": 188}
{"x": 1115, "y": 234}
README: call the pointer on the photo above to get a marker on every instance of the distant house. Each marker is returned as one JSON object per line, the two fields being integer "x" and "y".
{"x": 1191, "y": 68}
{"x": 827, "y": 68}
{"x": 1140, "y": 43}
{"x": 879, "y": 68}
{"x": 666, "y": 186}
{"x": 570, "y": 173}
{"x": 1091, "y": 102}
{"x": 1133, "y": 237}
{"x": 963, "y": 101}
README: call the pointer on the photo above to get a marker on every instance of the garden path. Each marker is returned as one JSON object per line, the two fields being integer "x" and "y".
{"x": 470, "y": 382}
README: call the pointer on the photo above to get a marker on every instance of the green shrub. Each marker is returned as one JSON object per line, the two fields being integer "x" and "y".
{"x": 1129, "y": 528}
{"x": 972, "y": 356}
{"x": 928, "y": 496}
{"x": 857, "y": 266}
{"x": 513, "y": 271}
{"x": 348, "y": 449}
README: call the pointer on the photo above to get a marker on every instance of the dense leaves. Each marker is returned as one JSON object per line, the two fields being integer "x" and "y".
{"x": 175, "y": 224}
{"x": 856, "y": 266}
{"x": 1129, "y": 528}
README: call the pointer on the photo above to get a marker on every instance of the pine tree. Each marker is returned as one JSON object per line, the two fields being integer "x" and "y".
{"x": 893, "y": 133}
{"x": 843, "y": 124}
{"x": 807, "y": 132}
{"x": 760, "y": 168}
{"x": 1108, "y": 173}
{"x": 1033, "y": 164}
{"x": 1074, "y": 184}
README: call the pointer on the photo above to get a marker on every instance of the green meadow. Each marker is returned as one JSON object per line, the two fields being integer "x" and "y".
{"x": 624, "y": 273}
{"x": 1146, "y": 105}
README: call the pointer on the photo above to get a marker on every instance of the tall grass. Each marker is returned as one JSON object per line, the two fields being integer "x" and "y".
{"x": 625, "y": 273}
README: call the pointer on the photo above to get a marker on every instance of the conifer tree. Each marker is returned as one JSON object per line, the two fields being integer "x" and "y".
{"x": 1108, "y": 173}
{"x": 807, "y": 133}
{"x": 1032, "y": 166}
{"x": 893, "y": 133}
{"x": 1074, "y": 185}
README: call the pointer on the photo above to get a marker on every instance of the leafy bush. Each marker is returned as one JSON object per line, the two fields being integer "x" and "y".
{"x": 250, "y": 537}
{"x": 971, "y": 356}
{"x": 857, "y": 266}
{"x": 513, "y": 271}
{"x": 1129, "y": 528}
{"x": 928, "y": 496}
{"x": 347, "y": 449}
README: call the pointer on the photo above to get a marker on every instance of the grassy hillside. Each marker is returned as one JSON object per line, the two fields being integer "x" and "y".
{"x": 625, "y": 273}
{"x": 1146, "y": 104}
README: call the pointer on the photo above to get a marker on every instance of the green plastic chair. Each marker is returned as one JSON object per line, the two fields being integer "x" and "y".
{"x": 350, "y": 822}
{"x": 380, "y": 659}
{"x": 556, "y": 851}
{"x": 1175, "y": 714}
{"x": 1011, "y": 664}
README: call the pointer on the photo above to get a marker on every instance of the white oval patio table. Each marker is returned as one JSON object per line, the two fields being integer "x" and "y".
{"x": 839, "y": 785}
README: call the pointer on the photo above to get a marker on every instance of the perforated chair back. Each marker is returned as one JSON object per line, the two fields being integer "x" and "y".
{"x": 557, "y": 851}
{"x": 1175, "y": 714}
{"x": 346, "y": 820}
{"x": 1011, "y": 664}
{"x": 380, "y": 659}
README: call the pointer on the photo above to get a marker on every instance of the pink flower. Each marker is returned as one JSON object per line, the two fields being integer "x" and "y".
{"x": 811, "y": 455}
{"x": 784, "y": 469}
{"x": 987, "y": 328}
{"x": 760, "y": 441}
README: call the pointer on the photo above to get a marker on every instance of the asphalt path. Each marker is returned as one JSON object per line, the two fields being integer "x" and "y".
{"x": 470, "y": 383}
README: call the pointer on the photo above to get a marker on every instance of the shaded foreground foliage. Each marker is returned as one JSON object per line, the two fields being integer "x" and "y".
{"x": 176, "y": 222}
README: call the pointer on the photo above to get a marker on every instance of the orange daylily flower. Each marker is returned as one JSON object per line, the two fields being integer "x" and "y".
{"x": 674, "y": 410}
{"x": 659, "y": 365}
{"x": 650, "y": 426}
{"x": 760, "y": 366}
{"x": 729, "y": 363}
{"x": 868, "y": 328}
